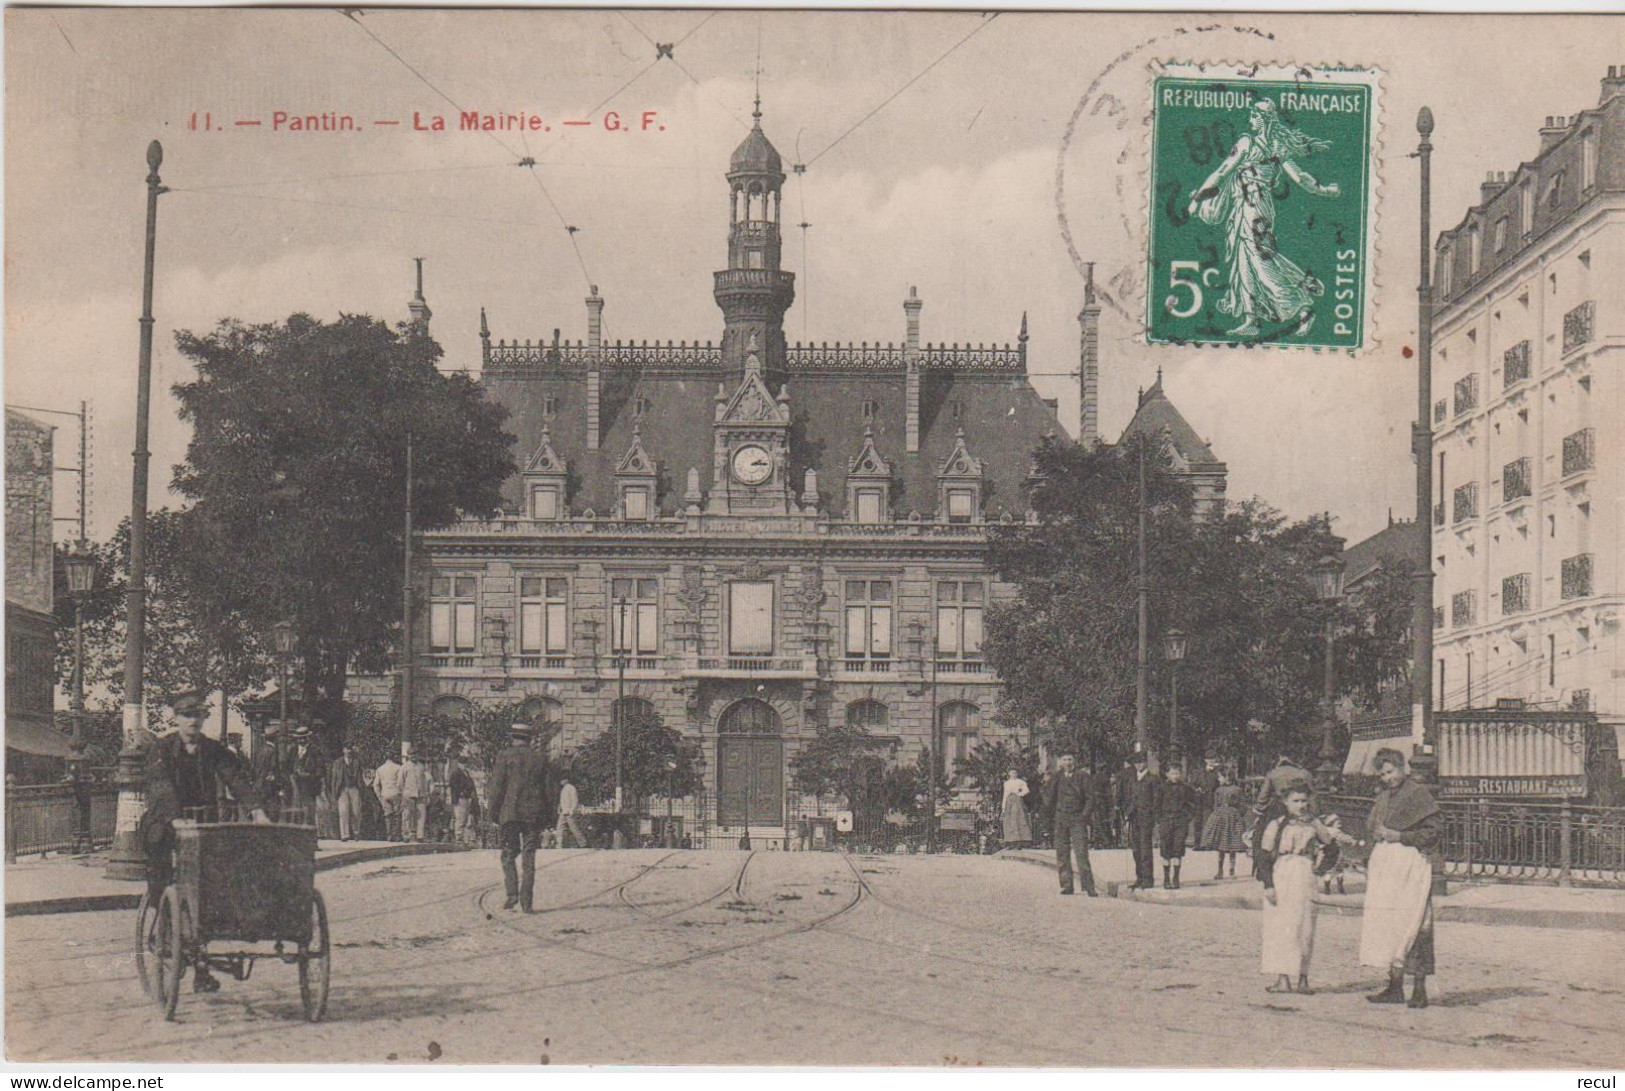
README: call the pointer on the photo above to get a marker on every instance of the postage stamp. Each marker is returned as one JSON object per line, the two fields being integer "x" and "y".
{"x": 1262, "y": 205}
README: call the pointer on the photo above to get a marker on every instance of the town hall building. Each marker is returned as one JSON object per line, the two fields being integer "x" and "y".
{"x": 749, "y": 539}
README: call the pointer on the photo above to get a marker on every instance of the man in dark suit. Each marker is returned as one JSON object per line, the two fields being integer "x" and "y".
{"x": 1142, "y": 820}
{"x": 1101, "y": 806}
{"x": 1066, "y": 800}
{"x": 189, "y": 776}
{"x": 519, "y": 798}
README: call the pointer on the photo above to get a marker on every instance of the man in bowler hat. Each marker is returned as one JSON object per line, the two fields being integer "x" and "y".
{"x": 1143, "y": 799}
{"x": 521, "y": 805}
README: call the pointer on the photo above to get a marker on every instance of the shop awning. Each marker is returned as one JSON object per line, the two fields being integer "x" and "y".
{"x": 1361, "y": 751}
{"x": 33, "y": 737}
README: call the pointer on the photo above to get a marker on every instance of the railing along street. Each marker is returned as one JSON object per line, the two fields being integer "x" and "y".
{"x": 41, "y": 817}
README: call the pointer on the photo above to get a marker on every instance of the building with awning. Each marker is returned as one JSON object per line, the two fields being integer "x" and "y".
{"x": 34, "y": 746}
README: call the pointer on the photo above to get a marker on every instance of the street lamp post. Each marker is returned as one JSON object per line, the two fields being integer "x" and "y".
{"x": 1422, "y": 446}
{"x": 81, "y": 571}
{"x": 671, "y": 790}
{"x": 1329, "y": 590}
{"x": 1174, "y": 646}
{"x": 623, "y": 643}
{"x": 128, "y": 860}
{"x": 1142, "y": 587}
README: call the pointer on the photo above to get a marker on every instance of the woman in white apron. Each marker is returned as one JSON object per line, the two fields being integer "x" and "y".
{"x": 1396, "y": 929}
{"x": 1287, "y": 858}
{"x": 1018, "y": 828}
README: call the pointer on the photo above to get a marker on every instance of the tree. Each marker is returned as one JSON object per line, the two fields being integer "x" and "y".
{"x": 649, "y": 749}
{"x": 297, "y": 476}
{"x": 478, "y": 738}
{"x": 188, "y": 644}
{"x": 846, "y": 759}
{"x": 1239, "y": 585}
{"x": 988, "y": 765}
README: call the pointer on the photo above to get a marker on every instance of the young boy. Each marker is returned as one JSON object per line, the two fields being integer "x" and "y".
{"x": 1286, "y": 863}
{"x": 1175, "y": 810}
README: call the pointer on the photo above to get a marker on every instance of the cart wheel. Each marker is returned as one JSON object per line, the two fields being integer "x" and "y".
{"x": 170, "y": 949}
{"x": 315, "y": 961}
{"x": 146, "y": 945}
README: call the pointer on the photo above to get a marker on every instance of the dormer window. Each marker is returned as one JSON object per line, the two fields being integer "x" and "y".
{"x": 544, "y": 478}
{"x": 959, "y": 485}
{"x": 640, "y": 407}
{"x": 870, "y": 408}
{"x": 868, "y": 484}
{"x": 871, "y": 506}
{"x": 635, "y": 480}
{"x": 544, "y": 502}
{"x": 635, "y": 502}
{"x": 550, "y": 407}
{"x": 1554, "y": 192}
{"x": 961, "y": 505}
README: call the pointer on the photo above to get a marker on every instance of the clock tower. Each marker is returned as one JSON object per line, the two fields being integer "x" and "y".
{"x": 753, "y": 291}
{"x": 750, "y": 470}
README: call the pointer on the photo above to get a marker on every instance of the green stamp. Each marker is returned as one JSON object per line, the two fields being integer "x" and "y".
{"x": 1262, "y": 206}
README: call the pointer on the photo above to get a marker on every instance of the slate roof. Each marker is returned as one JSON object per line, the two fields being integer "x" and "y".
{"x": 1394, "y": 545}
{"x": 1003, "y": 419}
{"x": 1156, "y": 414}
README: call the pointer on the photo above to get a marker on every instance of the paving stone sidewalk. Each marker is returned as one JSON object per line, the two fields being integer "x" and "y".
{"x": 60, "y": 883}
{"x": 1525, "y": 904}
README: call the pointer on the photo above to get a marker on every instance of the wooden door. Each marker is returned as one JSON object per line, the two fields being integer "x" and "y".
{"x": 750, "y": 781}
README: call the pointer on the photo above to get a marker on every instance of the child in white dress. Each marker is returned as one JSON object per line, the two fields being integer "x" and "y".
{"x": 1287, "y": 866}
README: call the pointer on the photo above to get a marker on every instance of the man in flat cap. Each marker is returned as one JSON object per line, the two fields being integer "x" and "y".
{"x": 187, "y": 773}
{"x": 521, "y": 805}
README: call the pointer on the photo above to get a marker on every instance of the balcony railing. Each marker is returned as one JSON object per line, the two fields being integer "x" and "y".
{"x": 1465, "y": 502}
{"x": 444, "y": 659}
{"x": 1441, "y": 410}
{"x": 1576, "y": 576}
{"x": 856, "y": 664}
{"x": 1515, "y": 482}
{"x": 743, "y": 526}
{"x": 1579, "y": 451}
{"x": 1515, "y": 594}
{"x": 544, "y": 662}
{"x": 1579, "y": 326}
{"x": 746, "y": 666}
{"x": 961, "y": 666}
{"x": 1515, "y": 364}
{"x": 1466, "y": 394}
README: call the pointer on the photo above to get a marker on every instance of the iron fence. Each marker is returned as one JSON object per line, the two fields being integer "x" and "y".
{"x": 1517, "y": 841}
{"x": 43, "y": 818}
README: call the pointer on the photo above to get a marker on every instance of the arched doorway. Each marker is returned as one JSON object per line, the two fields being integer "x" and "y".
{"x": 750, "y": 765}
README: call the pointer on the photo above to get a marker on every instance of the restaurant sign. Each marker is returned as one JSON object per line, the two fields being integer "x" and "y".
{"x": 1554, "y": 787}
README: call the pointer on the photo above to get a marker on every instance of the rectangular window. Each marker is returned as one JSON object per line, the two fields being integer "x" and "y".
{"x": 453, "y": 610}
{"x": 868, "y": 623}
{"x": 750, "y": 617}
{"x": 1515, "y": 480}
{"x": 634, "y": 612}
{"x": 869, "y": 506}
{"x": 1588, "y": 159}
{"x": 961, "y": 505}
{"x": 544, "y": 502}
{"x": 1445, "y": 259}
{"x": 1465, "y": 502}
{"x": 959, "y": 618}
{"x": 1526, "y": 207}
{"x": 1463, "y": 608}
{"x": 544, "y": 615}
{"x": 637, "y": 503}
{"x": 1500, "y": 234}
{"x": 1475, "y": 247}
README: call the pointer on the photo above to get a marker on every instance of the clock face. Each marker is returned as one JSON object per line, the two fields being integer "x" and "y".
{"x": 752, "y": 464}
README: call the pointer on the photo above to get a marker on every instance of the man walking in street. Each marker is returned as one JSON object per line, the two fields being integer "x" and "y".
{"x": 386, "y": 781}
{"x": 344, "y": 782}
{"x": 519, "y": 804}
{"x": 1142, "y": 820}
{"x": 1066, "y": 799}
{"x": 416, "y": 786}
{"x": 307, "y": 772}
{"x": 569, "y": 808}
{"x": 460, "y": 786}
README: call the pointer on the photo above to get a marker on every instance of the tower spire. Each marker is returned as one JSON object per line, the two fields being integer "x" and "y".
{"x": 419, "y": 307}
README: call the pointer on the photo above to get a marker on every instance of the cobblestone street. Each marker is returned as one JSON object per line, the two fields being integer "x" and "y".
{"x": 811, "y": 958}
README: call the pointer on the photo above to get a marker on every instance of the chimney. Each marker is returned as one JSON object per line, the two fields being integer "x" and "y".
{"x": 1494, "y": 182}
{"x": 595, "y": 346}
{"x": 911, "y": 361}
{"x": 1613, "y": 84}
{"x": 1089, "y": 363}
{"x": 419, "y": 307}
{"x": 1555, "y": 129}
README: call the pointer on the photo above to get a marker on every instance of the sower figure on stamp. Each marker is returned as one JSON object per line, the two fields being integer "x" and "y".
{"x": 186, "y": 774}
{"x": 1261, "y": 283}
{"x": 521, "y": 806}
{"x": 1066, "y": 800}
{"x": 1143, "y": 799}
{"x": 1396, "y": 924}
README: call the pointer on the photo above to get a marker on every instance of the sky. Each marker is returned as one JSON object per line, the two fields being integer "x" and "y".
{"x": 934, "y": 145}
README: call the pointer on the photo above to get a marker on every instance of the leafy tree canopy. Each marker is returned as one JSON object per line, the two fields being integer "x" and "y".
{"x": 649, "y": 749}
{"x": 296, "y": 474}
{"x": 1238, "y": 585}
{"x": 846, "y": 759}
